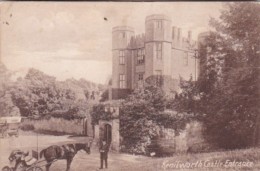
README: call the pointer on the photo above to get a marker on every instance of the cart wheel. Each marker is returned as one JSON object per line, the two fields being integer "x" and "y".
{"x": 38, "y": 169}
{"x": 6, "y": 168}
{"x": 35, "y": 169}
{"x": 20, "y": 167}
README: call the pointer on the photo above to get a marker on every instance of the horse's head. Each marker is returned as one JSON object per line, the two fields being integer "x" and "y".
{"x": 85, "y": 147}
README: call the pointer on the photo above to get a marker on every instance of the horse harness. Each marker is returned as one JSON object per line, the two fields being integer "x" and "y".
{"x": 65, "y": 151}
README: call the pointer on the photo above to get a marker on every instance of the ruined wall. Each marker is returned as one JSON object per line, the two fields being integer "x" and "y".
{"x": 189, "y": 140}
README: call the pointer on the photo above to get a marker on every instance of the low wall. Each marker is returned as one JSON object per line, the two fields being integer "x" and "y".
{"x": 189, "y": 140}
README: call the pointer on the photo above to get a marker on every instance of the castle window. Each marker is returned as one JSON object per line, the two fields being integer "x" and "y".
{"x": 159, "y": 24}
{"x": 122, "y": 81}
{"x": 140, "y": 79}
{"x": 140, "y": 56}
{"x": 121, "y": 57}
{"x": 159, "y": 50}
{"x": 186, "y": 59}
{"x": 140, "y": 76}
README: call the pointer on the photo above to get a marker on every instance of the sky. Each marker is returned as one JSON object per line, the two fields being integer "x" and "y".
{"x": 73, "y": 40}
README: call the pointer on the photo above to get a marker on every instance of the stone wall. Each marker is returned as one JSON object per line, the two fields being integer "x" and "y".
{"x": 189, "y": 140}
{"x": 115, "y": 138}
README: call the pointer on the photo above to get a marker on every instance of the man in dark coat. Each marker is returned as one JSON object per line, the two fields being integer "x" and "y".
{"x": 103, "y": 149}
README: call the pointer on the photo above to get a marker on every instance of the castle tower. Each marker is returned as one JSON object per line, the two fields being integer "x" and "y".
{"x": 158, "y": 42}
{"x": 121, "y": 62}
{"x": 202, "y": 38}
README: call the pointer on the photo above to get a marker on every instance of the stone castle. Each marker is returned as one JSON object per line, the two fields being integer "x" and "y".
{"x": 161, "y": 51}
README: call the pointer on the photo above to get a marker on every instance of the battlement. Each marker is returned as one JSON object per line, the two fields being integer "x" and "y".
{"x": 179, "y": 41}
{"x": 161, "y": 49}
{"x": 157, "y": 17}
{"x": 123, "y": 28}
{"x": 121, "y": 36}
{"x": 137, "y": 41}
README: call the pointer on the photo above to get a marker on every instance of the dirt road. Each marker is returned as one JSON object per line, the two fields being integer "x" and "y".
{"x": 81, "y": 162}
{"x": 122, "y": 162}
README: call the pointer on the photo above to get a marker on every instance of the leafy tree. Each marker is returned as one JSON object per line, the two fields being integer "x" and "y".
{"x": 7, "y": 106}
{"x": 40, "y": 95}
{"x": 228, "y": 87}
{"x": 143, "y": 114}
{"x": 136, "y": 124}
{"x": 98, "y": 113}
{"x": 104, "y": 96}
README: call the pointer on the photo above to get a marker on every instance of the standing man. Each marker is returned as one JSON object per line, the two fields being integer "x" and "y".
{"x": 104, "y": 148}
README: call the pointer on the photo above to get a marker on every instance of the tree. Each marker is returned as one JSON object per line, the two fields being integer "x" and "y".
{"x": 144, "y": 113}
{"x": 104, "y": 96}
{"x": 7, "y": 106}
{"x": 228, "y": 87}
{"x": 137, "y": 125}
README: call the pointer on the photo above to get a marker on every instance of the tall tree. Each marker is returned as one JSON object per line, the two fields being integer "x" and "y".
{"x": 228, "y": 87}
{"x": 235, "y": 50}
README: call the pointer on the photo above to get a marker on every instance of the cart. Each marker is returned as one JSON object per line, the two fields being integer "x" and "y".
{"x": 21, "y": 161}
{"x": 9, "y": 126}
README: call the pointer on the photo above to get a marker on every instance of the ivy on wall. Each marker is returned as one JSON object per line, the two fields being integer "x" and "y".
{"x": 99, "y": 113}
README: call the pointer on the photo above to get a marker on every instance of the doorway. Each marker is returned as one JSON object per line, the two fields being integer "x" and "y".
{"x": 108, "y": 133}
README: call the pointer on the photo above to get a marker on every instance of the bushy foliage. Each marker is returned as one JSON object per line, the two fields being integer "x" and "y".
{"x": 55, "y": 126}
{"x": 98, "y": 113}
{"x": 104, "y": 96}
{"x": 142, "y": 116}
{"x": 38, "y": 95}
{"x": 7, "y": 107}
{"x": 27, "y": 127}
{"x": 227, "y": 93}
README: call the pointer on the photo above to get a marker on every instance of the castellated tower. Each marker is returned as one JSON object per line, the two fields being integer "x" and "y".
{"x": 158, "y": 44}
{"x": 121, "y": 70}
{"x": 161, "y": 51}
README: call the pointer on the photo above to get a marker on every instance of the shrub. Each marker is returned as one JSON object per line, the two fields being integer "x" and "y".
{"x": 27, "y": 127}
{"x": 143, "y": 114}
{"x": 56, "y": 126}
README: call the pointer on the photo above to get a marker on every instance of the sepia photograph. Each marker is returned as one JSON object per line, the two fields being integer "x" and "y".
{"x": 129, "y": 86}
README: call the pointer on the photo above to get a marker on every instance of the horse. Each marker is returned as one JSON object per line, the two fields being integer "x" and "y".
{"x": 62, "y": 152}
